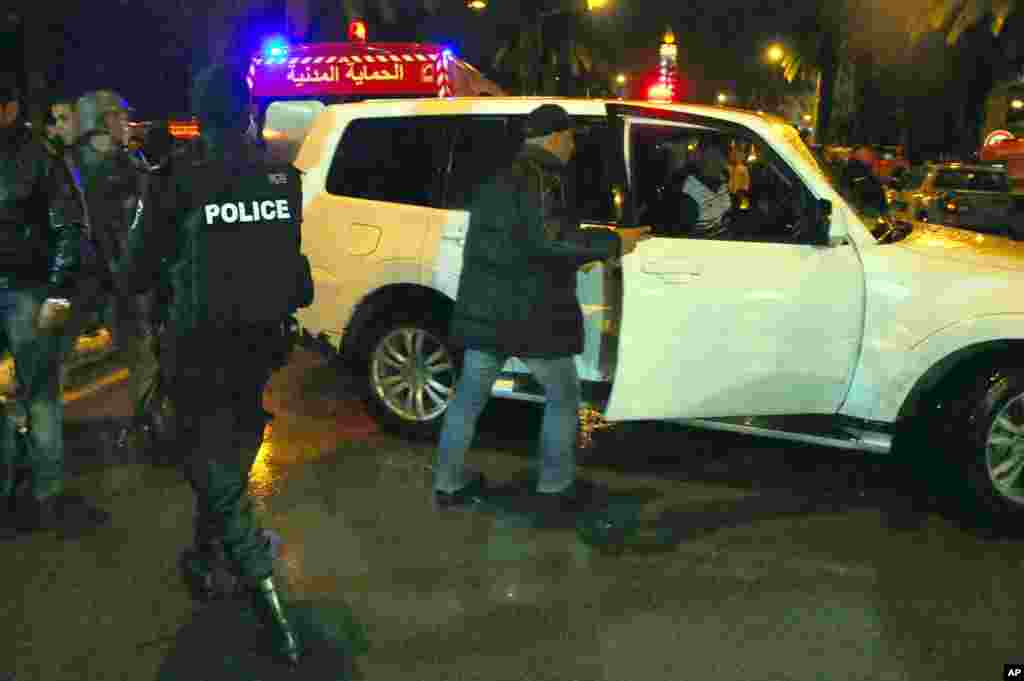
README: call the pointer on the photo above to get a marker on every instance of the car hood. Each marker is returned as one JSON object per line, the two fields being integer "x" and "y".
{"x": 949, "y": 243}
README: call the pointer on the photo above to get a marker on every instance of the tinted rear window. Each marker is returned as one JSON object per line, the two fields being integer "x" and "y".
{"x": 971, "y": 180}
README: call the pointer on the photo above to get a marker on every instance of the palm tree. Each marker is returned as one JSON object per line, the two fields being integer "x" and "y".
{"x": 987, "y": 53}
{"x": 815, "y": 54}
{"x": 521, "y": 57}
{"x": 956, "y": 17}
{"x": 530, "y": 61}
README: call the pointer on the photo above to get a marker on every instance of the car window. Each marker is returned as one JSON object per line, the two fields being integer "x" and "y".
{"x": 390, "y": 159}
{"x": 592, "y": 184}
{"x": 987, "y": 181}
{"x": 695, "y": 183}
{"x": 971, "y": 180}
{"x": 481, "y": 145}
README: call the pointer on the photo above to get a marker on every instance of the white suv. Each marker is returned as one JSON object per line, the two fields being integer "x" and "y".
{"x": 797, "y": 317}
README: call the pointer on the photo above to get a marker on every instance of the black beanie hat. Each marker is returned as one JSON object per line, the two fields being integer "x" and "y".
{"x": 547, "y": 119}
{"x": 220, "y": 97}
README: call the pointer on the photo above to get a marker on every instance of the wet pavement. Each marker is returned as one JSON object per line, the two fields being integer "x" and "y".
{"x": 718, "y": 557}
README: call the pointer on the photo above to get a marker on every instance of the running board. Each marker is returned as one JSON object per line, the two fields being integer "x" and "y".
{"x": 821, "y": 430}
{"x": 524, "y": 387}
{"x": 854, "y": 439}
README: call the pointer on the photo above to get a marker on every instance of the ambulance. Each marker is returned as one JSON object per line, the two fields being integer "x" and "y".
{"x": 292, "y": 84}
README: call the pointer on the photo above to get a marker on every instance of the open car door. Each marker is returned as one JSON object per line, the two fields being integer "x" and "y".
{"x": 722, "y": 324}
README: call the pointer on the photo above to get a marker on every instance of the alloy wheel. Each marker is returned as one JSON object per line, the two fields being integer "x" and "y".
{"x": 1004, "y": 451}
{"x": 412, "y": 373}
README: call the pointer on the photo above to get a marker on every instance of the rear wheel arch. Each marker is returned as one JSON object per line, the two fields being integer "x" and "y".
{"x": 387, "y": 304}
{"x": 943, "y": 429}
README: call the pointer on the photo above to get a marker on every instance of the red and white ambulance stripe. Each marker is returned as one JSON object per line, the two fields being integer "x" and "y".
{"x": 444, "y": 86}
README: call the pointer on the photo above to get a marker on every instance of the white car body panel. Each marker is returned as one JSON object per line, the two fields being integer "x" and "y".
{"x": 718, "y": 328}
{"x": 709, "y": 328}
{"x": 925, "y": 294}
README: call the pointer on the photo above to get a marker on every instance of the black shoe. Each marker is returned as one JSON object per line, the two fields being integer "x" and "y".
{"x": 268, "y": 608}
{"x": 579, "y": 496}
{"x": 8, "y": 524}
{"x": 471, "y": 494}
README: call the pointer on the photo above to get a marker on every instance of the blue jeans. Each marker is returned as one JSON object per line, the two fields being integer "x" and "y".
{"x": 37, "y": 367}
{"x": 558, "y": 431}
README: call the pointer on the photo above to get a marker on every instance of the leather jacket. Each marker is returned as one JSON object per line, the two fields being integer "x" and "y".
{"x": 113, "y": 185}
{"x": 41, "y": 218}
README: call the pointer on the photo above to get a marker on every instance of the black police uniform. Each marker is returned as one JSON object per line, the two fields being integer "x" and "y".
{"x": 225, "y": 225}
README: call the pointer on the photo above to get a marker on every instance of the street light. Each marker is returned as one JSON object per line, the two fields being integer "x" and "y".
{"x": 620, "y": 79}
{"x": 595, "y": 5}
{"x": 1017, "y": 104}
{"x": 722, "y": 97}
{"x": 807, "y": 118}
{"x": 477, "y": 5}
{"x": 776, "y": 53}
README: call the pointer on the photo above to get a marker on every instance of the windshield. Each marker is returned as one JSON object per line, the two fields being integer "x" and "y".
{"x": 855, "y": 182}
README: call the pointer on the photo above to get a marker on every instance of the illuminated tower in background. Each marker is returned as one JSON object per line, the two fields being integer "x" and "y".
{"x": 666, "y": 88}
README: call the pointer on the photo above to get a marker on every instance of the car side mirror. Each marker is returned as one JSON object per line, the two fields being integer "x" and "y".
{"x": 822, "y": 223}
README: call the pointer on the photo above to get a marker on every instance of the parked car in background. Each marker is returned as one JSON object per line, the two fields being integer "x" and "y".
{"x": 969, "y": 196}
{"x": 889, "y": 161}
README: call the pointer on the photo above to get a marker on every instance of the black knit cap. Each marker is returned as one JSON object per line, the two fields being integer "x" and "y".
{"x": 220, "y": 97}
{"x": 547, "y": 119}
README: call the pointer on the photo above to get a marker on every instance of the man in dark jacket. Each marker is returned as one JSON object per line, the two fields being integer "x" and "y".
{"x": 40, "y": 241}
{"x": 217, "y": 369}
{"x": 517, "y": 297}
{"x": 114, "y": 179}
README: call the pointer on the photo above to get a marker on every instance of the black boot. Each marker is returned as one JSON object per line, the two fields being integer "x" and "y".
{"x": 268, "y": 609}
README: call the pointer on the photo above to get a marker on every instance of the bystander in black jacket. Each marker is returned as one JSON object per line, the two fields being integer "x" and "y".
{"x": 40, "y": 215}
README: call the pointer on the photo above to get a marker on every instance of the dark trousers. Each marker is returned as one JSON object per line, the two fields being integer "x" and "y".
{"x": 216, "y": 383}
{"x": 37, "y": 369}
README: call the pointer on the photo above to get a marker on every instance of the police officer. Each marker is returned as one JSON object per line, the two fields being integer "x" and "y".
{"x": 225, "y": 223}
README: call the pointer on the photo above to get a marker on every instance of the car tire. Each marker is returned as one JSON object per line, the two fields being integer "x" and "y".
{"x": 410, "y": 370}
{"x": 995, "y": 462}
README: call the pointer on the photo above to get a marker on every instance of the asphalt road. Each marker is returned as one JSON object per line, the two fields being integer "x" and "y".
{"x": 718, "y": 558}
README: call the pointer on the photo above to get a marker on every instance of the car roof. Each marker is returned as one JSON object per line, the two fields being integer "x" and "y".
{"x": 523, "y": 105}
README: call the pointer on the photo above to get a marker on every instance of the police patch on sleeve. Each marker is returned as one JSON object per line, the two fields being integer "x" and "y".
{"x": 278, "y": 178}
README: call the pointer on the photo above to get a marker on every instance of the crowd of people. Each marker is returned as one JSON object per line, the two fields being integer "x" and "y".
{"x": 90, "y": 233}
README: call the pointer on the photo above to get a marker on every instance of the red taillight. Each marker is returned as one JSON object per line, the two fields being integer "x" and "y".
{"x": 183, "y": 129}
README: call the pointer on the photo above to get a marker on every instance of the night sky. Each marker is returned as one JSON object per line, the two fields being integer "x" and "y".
{"x": 145, "y": 49}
